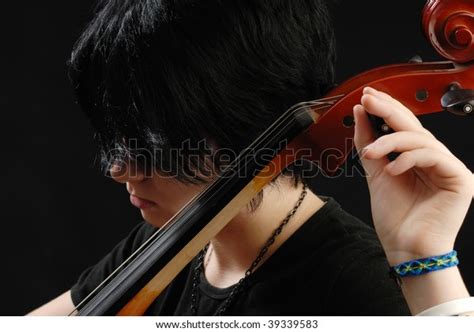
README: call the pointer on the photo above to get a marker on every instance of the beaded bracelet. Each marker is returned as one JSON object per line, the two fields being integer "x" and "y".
{"x": 425, "y": 265}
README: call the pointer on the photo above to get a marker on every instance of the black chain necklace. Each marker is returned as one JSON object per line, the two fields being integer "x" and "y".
{"x": 239, "y": 286}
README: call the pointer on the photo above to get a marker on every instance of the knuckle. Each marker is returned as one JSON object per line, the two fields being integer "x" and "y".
{"x": 426, "y": 132}
{"x": 428, "y": 138}
{"x": 382, "y": 140}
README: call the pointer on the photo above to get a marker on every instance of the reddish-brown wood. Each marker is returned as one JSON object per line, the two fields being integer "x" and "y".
{"x": 331, "y": 141}
{"x": 449, "y": 25}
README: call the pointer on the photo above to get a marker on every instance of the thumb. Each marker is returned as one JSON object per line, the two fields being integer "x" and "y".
{"x": 363, "y": 136}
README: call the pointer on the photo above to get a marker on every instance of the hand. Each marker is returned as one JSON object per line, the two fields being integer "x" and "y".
{"x": 420, "y": 199}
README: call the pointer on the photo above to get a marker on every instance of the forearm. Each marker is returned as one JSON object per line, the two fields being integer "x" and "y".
{"x": 60, "y": 306}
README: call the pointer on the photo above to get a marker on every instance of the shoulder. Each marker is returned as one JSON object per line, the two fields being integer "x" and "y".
{"x": 338, "y": 233}
{"x": 340, "y": 258}
{"x": 361, "y": 283}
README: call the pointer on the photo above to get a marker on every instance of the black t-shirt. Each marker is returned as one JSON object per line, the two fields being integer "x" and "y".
{"x": 332, "y": 265}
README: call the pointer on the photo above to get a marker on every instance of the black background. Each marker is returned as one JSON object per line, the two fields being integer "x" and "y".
{"x": 59, "y": 214}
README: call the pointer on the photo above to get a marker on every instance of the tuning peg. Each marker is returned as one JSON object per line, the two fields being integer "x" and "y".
{"x": 458, "y": 101}
{"x": 381, "y": 129}
{"x": 415, "y": 59}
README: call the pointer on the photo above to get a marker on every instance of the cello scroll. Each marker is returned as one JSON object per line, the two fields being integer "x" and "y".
{"x": 449, "y": 26}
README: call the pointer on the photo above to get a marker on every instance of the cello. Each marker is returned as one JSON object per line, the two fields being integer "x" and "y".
{"x": 311, "y": 130}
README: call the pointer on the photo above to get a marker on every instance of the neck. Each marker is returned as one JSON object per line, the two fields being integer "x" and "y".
{"x": 234, "y": 249}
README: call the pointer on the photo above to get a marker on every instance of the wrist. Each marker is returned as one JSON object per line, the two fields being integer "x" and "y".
{"x": 398, "y": 256}
{"x": 428, "y": 279}
{"x": 428, "y": 290}
{"x": 425, "y": 265}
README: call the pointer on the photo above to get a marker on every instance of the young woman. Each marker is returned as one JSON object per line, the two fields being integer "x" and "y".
{"x": 167, "y": 75}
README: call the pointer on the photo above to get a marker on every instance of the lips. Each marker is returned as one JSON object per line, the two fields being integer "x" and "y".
{"x": 140, "y": 203}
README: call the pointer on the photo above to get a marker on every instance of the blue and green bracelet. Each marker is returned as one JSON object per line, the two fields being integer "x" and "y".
{"x": 426, "y": 265}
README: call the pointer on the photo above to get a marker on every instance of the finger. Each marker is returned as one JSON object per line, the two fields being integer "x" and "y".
{"x": 446, "y": 168}
{"x": 393, "y": 115}
{"x": 390, "y": 99}
{"x": 402, "y": 141}
{"x": 363, "y": 136}
{"x": 472, "y": 184}
{"x": 364, "y": 133}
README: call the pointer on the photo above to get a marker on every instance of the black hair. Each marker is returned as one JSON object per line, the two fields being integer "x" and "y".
{"x": 165, "y": 72}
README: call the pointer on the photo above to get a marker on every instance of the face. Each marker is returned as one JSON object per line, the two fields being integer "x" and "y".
{"x": 158, "y": 197}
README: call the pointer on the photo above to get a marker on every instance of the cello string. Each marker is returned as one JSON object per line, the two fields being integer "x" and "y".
{"x": 318, "y": 105}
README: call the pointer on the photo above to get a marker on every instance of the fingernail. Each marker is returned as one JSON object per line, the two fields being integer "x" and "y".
{"x": 368, "y": 89}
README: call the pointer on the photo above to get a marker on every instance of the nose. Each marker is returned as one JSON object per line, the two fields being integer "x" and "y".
{"x": 126, "y": 171}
